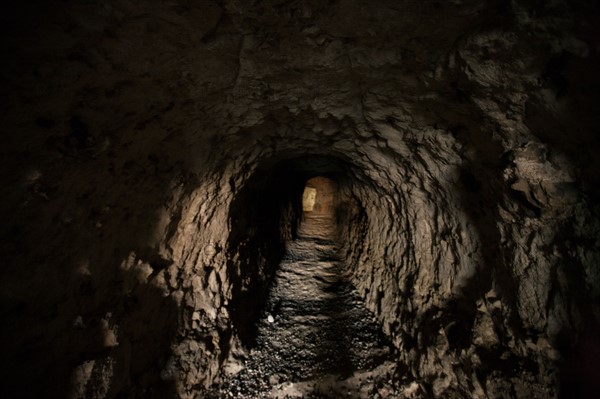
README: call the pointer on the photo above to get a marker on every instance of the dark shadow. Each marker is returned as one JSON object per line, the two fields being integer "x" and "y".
{"x": 578, "y": 345}
{"x": 72, "y": 331}
{"x": 65, "y": 234}
{"x": 62, "y": 248}
{"x": 579, "y": 366}
{"x": 262, "y": 218}
{"x": 147, "y": 328}
{"x": 144, "y": 322}
{"x": 151, "y": 324}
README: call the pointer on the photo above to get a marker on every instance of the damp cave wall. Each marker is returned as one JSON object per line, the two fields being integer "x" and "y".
{"x": 136, "y": 134}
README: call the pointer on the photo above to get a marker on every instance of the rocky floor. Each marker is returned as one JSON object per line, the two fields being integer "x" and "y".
{"x": 315, "y": 339}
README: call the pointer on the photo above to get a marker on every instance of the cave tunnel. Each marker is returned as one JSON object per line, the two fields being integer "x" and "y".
{"x": 300, "y": 199}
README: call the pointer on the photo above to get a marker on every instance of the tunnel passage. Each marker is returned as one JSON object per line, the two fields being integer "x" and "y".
{"x": 319, "y": 197}
{"x": 407, "y": 238}
{"x": 305, "y": 325}
{"x": 261, "y": 232}
{"x": 461, "y": 136}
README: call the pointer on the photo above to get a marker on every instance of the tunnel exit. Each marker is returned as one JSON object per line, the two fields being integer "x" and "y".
{"x": 319, "y": 201}
{"x": 319, "y": 196}
{"x": 308, "y": 199}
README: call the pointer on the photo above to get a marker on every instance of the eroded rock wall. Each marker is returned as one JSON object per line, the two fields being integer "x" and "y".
{"x": 141, "y": 153}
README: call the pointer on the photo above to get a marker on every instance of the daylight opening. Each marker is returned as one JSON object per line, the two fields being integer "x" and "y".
{"x": 319, "y": 196}
{"x": 308, "y": 199}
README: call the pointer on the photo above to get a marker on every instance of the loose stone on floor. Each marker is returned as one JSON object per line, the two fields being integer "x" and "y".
{"x": 315, "y": 338}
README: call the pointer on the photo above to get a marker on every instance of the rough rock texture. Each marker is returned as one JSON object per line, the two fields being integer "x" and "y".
{"x": 315, "y": 337}
{"x": 154, "y": 156}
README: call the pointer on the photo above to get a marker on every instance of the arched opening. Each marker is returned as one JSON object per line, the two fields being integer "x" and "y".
{"x": 319, "y": 203}
{"x": 293, "y": 304}
{"x": 260, "y": 235}
{"x": 319, "y": 196}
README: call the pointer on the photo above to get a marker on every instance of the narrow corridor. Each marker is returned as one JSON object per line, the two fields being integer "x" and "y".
{"x": 216, "y": 199}
{"x": 315, "y": 339}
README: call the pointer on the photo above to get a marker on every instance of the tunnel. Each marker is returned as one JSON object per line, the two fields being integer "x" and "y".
{"x": 301, "y": 199}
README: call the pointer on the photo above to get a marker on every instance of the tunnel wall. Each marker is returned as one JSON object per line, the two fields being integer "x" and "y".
{"x": 133, "y": 129}
{"x": 435, "y": 264}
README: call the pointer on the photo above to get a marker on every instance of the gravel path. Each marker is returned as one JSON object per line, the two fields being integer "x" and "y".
{"x": 316, "y": 339}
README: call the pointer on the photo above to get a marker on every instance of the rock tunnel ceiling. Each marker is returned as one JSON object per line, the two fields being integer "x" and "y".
{"x": 154, "y": 159}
